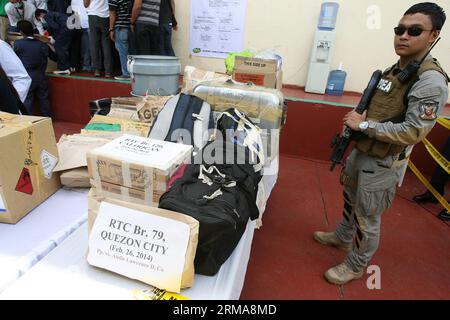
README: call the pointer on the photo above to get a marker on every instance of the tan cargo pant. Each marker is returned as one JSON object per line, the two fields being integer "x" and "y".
{"x": 369, "y": 189}
{"x": 4, "y": 25}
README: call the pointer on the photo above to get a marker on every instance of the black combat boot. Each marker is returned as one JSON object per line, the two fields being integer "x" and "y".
{"x": 425, "y": 197}
{"x": 444, "y": 215}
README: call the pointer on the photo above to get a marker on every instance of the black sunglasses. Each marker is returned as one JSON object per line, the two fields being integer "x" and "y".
{"x": 412, "y": 31}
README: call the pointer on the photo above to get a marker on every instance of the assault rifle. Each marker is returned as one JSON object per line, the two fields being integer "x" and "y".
{"x": 341, "y": 142}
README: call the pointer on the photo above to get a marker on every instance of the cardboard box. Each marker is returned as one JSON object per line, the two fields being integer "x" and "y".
{"x": 130, "y": 167}
{"x": 262, "y": 72}
{"x": 28, "y": 157}
{"x": 194, "y": 76}
{"x": 76, "y": 178}
{"x": 116, "y": 126}
{"x": 142, "y": 109}
{"x": 95, "y": 198}
{"x": 72, "y": 150}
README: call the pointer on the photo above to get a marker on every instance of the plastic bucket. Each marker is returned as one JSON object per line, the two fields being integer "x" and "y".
{"x": 155, "y": 75}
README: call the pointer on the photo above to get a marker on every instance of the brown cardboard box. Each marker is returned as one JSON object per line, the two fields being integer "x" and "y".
{"x": 261, "y": 72}
{"x": 141, "y": 109}
{"x": 76, "y": 178}
{"x": 72, "y": 150}
{"x": 194, "y": 76}
{"x": 131, "y": 167}
{"x": 28, "y": 156}
{"x": 95, "y": 198}
{"x": 139, "y": 196}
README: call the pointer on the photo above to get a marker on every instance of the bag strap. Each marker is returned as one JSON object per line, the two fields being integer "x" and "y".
{"x": 252, "y": 138}
{"x": 161, "y": 125}
{"x": 201, "y": 126}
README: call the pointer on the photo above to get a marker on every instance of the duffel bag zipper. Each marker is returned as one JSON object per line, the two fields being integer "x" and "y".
{"x": 230, "y": 206}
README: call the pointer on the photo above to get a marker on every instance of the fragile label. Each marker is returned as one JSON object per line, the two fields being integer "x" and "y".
{"x": 48, "y": 162}
{"x": 140, "y": 246}
{"x": 24, "y": 183}
{"x": 257, "y": 79}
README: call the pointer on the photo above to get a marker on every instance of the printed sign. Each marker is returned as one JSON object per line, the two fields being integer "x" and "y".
{"x": 48, "y": 162}
{"x": 217, "y": 27}
{"x": 139, "y": 246}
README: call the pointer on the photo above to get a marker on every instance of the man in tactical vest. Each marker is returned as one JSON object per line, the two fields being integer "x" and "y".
{"x": 401, "y": 113}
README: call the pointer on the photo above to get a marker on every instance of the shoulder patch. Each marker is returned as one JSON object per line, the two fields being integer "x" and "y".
{"x": 428, "y": 109}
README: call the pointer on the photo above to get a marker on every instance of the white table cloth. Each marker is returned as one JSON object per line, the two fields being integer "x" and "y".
{"x": 22, "y": 245}
{"x": 64, "y": 272}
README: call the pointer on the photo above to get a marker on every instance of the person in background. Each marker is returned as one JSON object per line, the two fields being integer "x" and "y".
{"x": 34, "y": 55}
{"x": 144, "y": 26}
{"x": 438, "y": 181}
{"x": 14, "y": 81}
{"x": 119, "y": 28}
{"x": 167, "y": 22}
{"x": 56, "y": 24}
{"x": 4, "y": 22}
{"x": 22, "y": 10}
{"x": 60, "y": 6}
{"x": 80, "y": 55}
{"x": 39, "y": 4}
{"x": 373, "y": 168}
{"x": 98, "y": 17}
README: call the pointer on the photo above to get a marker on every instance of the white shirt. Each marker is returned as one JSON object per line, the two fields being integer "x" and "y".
{"x": 15, "y": 15}
{"x": 81, "y": 12}
{"x": 39, "y": 4}
{"x": 15, "y": 70}
{"x": 98, "y": 8}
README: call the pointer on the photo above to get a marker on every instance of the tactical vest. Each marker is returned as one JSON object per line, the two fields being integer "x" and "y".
{"x": 388, "y": 103}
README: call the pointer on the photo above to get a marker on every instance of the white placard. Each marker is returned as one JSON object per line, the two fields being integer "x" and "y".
{"x": 149, "y": 152}
{"x": 217, "y": 27}
{"x": 139, "y": 245}
{"x": 48, "y": 162}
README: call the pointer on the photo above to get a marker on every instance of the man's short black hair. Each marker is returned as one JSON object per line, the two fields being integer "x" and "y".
{"x": 25, "y": 27}
{"x": 435, "y": 12}
{"x": 38, "y": 12}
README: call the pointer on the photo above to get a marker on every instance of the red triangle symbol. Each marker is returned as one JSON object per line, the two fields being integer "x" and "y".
{"x": 24, "y": 184}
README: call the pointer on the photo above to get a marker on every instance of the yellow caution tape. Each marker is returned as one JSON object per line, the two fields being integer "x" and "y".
{"x": 437, "y": 156}
{"x": 444, "y": 122}
{"x": 157, "y": 294}
{"x": 425, "y": 182}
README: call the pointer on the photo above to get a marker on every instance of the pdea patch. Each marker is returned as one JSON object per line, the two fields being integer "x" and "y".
{"x": 428, "y": 110}
{"x": 385, "y": 85}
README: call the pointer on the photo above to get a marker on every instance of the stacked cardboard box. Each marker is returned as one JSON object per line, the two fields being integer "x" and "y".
{"x": 136, "y": 169}
{"x": 72, "y": 163}
{"x": 95, "y": 199}
{"x": 262, "y": 72}
{"x": 28, "y": 157}
{"x": 116, "y": 126}
{"x": 142, "y": 109}
{"x": 133, "y": 172}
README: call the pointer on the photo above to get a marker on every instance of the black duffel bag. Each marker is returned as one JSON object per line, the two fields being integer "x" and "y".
{"x": 220, "y": 197}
